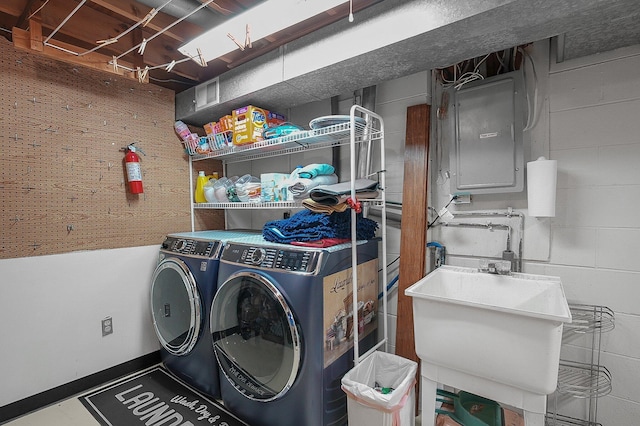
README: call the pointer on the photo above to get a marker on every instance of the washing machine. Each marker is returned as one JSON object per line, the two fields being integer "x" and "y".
{"x": 182, "y": 289}
{"x": 282, "y": 327}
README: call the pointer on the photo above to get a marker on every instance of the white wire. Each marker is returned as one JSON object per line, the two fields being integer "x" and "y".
{"x": 475, "y": 69}
{"x": 203, "y": 5}
{"x": 534, "y": 120}
{"x": 467, "y": 78}
{"x": 73, "y": 12}
{"x": 127, "y": 31}
{"x": 38, "y": 10}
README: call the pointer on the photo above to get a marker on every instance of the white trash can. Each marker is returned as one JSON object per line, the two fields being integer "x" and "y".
{"x": 381, "y": 391}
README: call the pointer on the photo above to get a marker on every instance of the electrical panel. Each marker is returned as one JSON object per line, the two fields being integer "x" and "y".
{"x": 486, "y": 155}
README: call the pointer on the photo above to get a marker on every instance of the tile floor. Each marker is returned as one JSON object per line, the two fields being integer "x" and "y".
{"x": 69, "y": 412}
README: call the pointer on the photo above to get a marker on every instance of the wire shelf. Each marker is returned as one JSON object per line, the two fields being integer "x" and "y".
{"x": 269, "y": 205}
{"x": 560, "y": 420}
{"x": 590, "y": 318}
{"x": 306, "y": 140}
{"x": 583, "y": 380}
{"x": 266, "y": 205}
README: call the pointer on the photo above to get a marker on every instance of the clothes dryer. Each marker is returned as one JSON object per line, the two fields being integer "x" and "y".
{"x": 182, "y": 289}
{"x": 282, "y": 329}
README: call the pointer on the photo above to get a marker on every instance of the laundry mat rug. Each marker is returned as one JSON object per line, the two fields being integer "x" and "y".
{"x": 153, "y": 398}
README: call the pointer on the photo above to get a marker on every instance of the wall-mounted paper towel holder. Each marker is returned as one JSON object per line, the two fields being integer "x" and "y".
{"x": 541, "y": 187}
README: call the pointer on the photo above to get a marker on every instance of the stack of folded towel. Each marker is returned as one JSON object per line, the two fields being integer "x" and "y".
{"x": 332, "y": 195}
{"x": 308, "y": 177}
{"x": 311, "y": 226}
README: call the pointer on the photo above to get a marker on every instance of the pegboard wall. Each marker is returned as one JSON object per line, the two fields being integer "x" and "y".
{"x": 63, "y": 182}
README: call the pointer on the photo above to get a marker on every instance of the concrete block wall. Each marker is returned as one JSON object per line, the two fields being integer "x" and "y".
{"x": 588, "y": 122}
{"x": 594, "y": 134}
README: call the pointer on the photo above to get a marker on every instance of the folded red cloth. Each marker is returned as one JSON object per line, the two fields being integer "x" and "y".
{"x": 325, "y": 242}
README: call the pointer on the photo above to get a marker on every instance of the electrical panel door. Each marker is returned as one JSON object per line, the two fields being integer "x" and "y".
{"x": 487, "y": 153}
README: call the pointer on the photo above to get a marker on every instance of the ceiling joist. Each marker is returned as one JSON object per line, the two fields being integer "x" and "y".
{"x": 32, "y": 41}
{"x": 141, "y": 34}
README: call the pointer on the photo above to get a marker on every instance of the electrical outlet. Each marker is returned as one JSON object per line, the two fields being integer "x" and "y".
{"x": 462, "y": 198}
{"x": 107, "y": 326}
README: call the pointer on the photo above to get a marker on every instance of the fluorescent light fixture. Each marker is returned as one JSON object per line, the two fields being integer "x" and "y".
{"x": 256, "y": 23}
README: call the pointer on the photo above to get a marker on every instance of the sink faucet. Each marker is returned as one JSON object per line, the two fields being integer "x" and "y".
{"x": 499, "y": 267}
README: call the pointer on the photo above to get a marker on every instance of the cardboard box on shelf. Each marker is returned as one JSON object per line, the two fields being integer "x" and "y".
{"x": 209, "y": 128}
{"x": 274, "y": 119}
{"x": 248, "y": 124}
{"x": 226, "y": 123}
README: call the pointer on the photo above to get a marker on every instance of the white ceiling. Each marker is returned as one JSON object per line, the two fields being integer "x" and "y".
{"x": 395, "y": 38}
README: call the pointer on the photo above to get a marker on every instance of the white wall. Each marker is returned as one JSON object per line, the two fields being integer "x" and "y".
{"x": 51, "y": 310}
{"x": 392, "y": 100}
{"x": 588, "y": 122}
{"x": 594, "y": 133}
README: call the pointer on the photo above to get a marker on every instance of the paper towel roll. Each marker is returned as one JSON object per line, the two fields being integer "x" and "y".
{"x": 541, "y": 187}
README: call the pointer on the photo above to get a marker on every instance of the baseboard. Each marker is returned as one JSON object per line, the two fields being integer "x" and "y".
{"x": 32, "y": 403}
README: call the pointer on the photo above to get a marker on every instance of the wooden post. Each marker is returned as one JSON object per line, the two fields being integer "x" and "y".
{"x": 413, "y": 238}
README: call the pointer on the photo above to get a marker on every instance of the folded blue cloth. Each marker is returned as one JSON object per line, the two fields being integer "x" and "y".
{"x": 310, "y": 226}
{"x": 313, "y": 170}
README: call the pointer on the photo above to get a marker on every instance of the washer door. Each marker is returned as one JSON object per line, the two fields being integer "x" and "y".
{"x": 175, "y": 306}
{"x": 255, "y": 337}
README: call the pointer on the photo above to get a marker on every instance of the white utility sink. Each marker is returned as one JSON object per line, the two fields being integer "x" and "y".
{"x": 494, "y": 335}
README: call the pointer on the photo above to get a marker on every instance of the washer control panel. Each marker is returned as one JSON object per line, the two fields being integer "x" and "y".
{"x": 302, "y": 261}
{"x": 190, "y": 247}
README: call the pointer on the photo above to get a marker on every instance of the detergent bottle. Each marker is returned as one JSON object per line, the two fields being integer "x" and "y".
{"x": 200, "y": 182}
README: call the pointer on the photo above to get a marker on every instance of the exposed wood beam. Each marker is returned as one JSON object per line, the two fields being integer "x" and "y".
{"x": 80, "y": 35}
{"x": 26, "y": 14}
{"x": 182, "y": 32}
{"x": 10, "y": 8}
{"x": 32, "y": 41}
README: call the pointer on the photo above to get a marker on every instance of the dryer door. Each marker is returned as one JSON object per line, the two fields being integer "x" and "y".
{"x": 255, "y": 336}
{"x": 175, "y": 306}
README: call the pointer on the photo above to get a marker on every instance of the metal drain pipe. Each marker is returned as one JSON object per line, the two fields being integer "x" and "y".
{"x": 509, "y": 213}
{"x": 488, "y": 226}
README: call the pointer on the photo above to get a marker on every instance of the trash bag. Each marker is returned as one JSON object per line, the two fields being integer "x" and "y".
{"x": 381, "y": 391}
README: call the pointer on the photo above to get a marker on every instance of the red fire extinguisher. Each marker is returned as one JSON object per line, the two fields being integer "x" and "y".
{"x": 134, "y": 174}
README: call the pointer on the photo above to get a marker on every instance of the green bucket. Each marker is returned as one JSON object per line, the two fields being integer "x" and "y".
{"x": 470, "y": 409}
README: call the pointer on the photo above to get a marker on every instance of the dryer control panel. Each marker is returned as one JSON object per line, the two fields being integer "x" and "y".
{"x": 301, "y": 261}
{"x": 191, "y": 247}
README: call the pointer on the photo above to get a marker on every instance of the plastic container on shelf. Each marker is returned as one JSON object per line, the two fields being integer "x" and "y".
{"x": 209, "y": 190}
{"x": 248, "y": 189}
{"x": 220, "y": 190}
{"x": 230, "y": 186}
{"x": 182, "y": 130}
